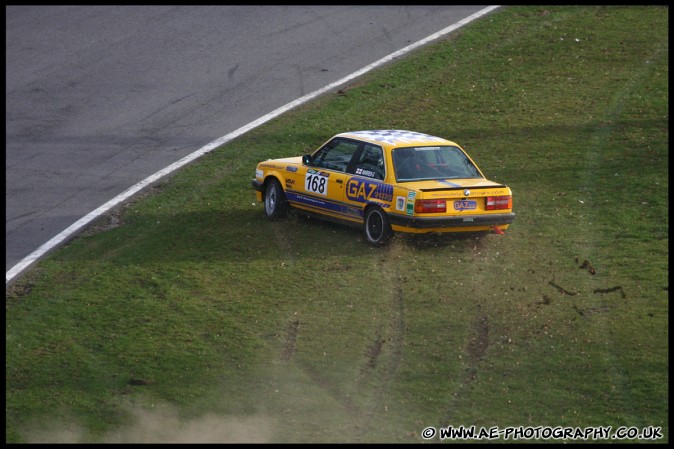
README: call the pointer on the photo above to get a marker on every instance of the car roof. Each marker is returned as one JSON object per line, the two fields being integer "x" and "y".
{"x": 396, "y": 138}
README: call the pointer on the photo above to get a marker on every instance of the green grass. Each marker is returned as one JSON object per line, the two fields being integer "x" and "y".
{"x": 196, "y": 319}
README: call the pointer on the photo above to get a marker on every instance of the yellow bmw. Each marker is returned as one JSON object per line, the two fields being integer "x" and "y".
{"x": 387, "y": 181}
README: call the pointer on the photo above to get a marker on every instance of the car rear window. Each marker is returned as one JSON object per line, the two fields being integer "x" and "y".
{"x": 432, "y": 162}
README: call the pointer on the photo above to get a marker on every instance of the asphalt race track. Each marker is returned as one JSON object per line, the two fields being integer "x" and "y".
{"x": 100, "y": 97}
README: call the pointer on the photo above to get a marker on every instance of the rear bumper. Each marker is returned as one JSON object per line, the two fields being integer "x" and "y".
{"x": 452, "y": 222}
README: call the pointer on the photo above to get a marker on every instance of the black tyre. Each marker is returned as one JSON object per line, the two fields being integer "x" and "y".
{"x": 377, "y": 227}
{"x": 275, "y": 203}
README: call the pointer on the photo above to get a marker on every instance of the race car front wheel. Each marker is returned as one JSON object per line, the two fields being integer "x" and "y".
{"x": 377, "y": 226}
{"x": 275, "y": 203}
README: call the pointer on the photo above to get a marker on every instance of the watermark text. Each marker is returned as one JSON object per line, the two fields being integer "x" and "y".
{"x": 542, "y": 433}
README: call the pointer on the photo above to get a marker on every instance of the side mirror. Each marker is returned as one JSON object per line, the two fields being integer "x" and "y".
{"x": 307, "y": 159}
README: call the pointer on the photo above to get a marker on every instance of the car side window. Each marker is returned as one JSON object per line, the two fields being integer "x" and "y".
{"x": 370, "y": 162}
{"x": 336, "y": 154}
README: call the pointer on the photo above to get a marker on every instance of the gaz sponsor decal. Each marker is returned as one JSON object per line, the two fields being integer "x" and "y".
{"x": 316, "y": 182}
{"x": 362, "y": 191}
{"x": 465, "y": 205}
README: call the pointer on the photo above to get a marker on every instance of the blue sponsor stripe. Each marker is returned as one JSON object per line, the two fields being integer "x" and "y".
{"x": 320, "y": 203}
{"x": 442, "y": 181}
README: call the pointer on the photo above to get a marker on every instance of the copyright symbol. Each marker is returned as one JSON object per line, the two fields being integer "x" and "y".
{"x": 428, "y": 433}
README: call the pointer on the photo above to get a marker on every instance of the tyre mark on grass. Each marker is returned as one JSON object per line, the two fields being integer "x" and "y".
{"x": 287, "y": 353}
{"x": 290, "y": 341}
{"x": 612, "y": 289}
{"x": 371, "y": 355}
{"x": 562, "y": 290}
{"x": 373, "y": 352}
{"x": 373, "y": 382}
{"x": 386, "y": 352}
{"x": 475, "y": 352}
{"x": 333, "y": 391}
{"x": 383, "y": 355}
{"x": 477, "y": 346}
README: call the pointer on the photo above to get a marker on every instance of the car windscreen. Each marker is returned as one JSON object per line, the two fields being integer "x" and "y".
{"x": 438, "y": 162}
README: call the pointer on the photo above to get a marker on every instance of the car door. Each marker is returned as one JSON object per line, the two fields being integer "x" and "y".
{"x": 366, "y": 183}
{"x": 324, "y": 181}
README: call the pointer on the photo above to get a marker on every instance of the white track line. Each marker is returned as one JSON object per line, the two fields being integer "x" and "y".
{"x": 79, "y": 224}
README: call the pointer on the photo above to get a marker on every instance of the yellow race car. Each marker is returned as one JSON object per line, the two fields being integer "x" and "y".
{"x": 386, "y": 181}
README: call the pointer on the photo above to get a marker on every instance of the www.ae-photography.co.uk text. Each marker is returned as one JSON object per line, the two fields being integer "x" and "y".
{"x": 543, "y": 433}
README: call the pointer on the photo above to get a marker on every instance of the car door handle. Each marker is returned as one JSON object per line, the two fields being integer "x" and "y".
{"x": 339, "y": 181}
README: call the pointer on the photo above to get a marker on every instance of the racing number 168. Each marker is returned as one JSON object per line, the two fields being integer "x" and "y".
{"x": 316, "y": 184}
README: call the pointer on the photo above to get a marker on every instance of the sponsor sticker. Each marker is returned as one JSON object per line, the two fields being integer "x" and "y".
{"x": 410, "y": 202}
{"x": 400, "y": 203}
{"x": 362, "y": 171}
{"x": 272, "y": 166}
{"x": 363, "y": 191}
{"x": 465, "y": 205}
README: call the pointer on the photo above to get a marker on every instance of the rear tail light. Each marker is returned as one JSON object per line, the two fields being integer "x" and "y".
{"x": 499, "y": 202}
{"x": 430, "y": 206}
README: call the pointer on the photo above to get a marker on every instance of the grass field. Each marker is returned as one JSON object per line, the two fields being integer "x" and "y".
{"x": 185, "y": 316}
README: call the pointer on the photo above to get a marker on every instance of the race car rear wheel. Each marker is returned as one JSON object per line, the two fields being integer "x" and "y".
{"x": 275, "y": 203}
{"x": 377, "y": 226}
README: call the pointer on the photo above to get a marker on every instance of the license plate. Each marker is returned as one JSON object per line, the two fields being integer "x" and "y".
{"x": 465, "y": 204}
